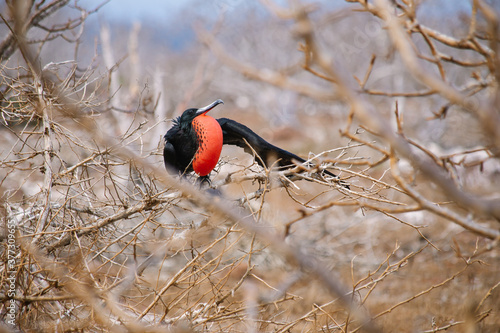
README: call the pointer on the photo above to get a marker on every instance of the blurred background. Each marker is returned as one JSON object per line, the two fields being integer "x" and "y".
{"x": 125, "y": 69}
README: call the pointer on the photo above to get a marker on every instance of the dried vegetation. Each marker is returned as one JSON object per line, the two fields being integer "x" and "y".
{"x": 97, "y": 237}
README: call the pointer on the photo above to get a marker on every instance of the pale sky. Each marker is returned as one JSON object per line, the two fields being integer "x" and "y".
{"x": 136, "y": 10}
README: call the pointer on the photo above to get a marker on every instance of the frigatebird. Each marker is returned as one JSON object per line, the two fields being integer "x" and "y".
{"x": 195, "y": 140}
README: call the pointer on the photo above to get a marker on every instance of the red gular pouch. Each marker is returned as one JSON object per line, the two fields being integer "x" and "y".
{"x": 210, "y": 139}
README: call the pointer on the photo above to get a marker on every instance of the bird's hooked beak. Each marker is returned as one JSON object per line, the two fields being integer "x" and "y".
{"x": 207, "y": 108}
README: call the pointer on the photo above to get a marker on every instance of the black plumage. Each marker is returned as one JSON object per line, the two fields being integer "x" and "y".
{"x": 181, "y": 144}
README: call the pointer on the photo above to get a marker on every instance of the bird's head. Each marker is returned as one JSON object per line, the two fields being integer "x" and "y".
{"x": 187, "y": 116}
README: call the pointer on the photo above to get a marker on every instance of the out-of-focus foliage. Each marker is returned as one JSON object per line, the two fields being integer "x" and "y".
{"x": 400, "y": 99}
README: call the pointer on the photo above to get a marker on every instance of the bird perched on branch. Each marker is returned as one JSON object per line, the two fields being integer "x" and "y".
{"x": 194, "y": 143}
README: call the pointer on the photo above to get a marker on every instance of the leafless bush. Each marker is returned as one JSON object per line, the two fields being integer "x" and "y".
{"x": 98, "y": 237}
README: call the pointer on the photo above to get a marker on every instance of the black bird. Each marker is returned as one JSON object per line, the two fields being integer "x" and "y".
{"x": 194, "y": 143}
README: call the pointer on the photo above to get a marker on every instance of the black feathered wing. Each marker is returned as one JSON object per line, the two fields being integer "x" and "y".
{"x": 170, "y": 158}
{"x": 179, "y": 150}
{"x": 240, "y": 135}
{"x": 237, "y": 134}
